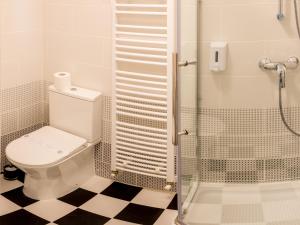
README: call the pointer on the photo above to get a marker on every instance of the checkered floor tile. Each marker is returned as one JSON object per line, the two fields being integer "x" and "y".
{"x": 99, "y": 201}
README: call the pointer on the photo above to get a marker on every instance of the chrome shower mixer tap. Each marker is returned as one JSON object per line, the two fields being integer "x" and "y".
{"x": 279, "y": 67}
{"x": 267, "y": 64}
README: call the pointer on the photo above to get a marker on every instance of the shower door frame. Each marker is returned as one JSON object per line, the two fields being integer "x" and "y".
{"x": 181, "y": 208}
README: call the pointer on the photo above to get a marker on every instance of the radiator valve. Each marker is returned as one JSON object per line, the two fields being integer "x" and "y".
{"x": 169, "y": 186}
{"x": 114, "y": 174}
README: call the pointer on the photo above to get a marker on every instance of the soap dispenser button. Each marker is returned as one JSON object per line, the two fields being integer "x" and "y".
{"x": 218, "y": 56}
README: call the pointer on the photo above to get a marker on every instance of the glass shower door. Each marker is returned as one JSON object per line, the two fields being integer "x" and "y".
{"x": 187, "y": 107}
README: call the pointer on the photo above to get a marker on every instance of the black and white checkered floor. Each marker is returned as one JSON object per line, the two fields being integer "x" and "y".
{"x": 99, "y": 201}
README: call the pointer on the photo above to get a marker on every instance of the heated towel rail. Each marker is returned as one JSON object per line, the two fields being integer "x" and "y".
{"x": 142, "y": 102}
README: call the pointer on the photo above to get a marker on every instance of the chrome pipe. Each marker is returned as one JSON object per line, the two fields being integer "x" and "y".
{"x": 280, "y": 14}
{"x": 187, "y": 63}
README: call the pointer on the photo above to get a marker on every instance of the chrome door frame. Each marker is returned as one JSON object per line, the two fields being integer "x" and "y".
{"x": 179, "y": 219}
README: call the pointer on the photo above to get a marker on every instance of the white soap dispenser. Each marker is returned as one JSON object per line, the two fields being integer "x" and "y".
{"x": 218, "y": 56}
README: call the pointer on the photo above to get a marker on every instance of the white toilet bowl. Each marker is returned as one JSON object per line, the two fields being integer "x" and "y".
{"x": 58, "y": 158}
{"x": 55, "y": 162}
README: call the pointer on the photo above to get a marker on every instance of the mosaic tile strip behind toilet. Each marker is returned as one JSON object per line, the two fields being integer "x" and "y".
{"x": 22, "y": 110}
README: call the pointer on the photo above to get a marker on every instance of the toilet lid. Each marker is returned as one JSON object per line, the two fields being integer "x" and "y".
{"x": 45, "y": 146}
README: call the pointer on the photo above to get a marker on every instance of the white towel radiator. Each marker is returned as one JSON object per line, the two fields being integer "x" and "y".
{"x": 143, "y": 105}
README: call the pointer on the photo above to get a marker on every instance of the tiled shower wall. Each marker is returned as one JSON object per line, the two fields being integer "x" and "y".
{"x": 241, "y": 136}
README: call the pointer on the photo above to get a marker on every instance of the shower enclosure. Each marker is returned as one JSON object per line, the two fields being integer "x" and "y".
{"x": 238, "y": 162}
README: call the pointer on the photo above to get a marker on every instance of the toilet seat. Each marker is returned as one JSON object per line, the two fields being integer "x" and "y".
{"x": 44, "y": 147}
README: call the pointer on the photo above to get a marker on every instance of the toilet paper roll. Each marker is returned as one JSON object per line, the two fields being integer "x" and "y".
{"x": 62, "y": 81}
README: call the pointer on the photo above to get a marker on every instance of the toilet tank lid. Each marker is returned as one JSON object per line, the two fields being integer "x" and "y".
{"x": 78, "y": 92}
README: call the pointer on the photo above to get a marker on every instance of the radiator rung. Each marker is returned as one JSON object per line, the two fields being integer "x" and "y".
{"x": 150, "y": 101}
{"x": 142, "y": 173}
{"x": 142, "y": 81}
{"x": 141, "y": 111}
{"x": 151, "y": 56}
{"x": 145, "y": 139}
{"x": 149, "y": 117}
{"x": 163, "y": 50}
{"x": 153, "y": 13}
{"x": 141, "y": 116}
{"x": 137, "y": 160}
{"x": 144, "y": 75}
{"x": 141, "y": 143}
{"x": 140, "y": 86}
{"x": 155, "y": 130}
{"x": 141, "y": 166}
{"x": 159, "y": 137}
{"x": 142, "y": 105}
{"x": 141, "y": 27}
{"x": 141, "y": 34}
{"x": 142, "y": 5}
{"x": 143, "y": 157}
{"x": 141, "y": 93}
{"x": 138, "y": 167}
{"x": 141, "y": 152}
{"x": 141, "y": 147}
{"x": 120, "y": 59}
{"x": 141, "y": 41}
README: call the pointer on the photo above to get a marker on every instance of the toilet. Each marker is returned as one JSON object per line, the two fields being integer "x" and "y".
{"x": 58, "y": 158}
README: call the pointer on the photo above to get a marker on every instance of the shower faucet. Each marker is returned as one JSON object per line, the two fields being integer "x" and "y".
{"x": 267, "y": 64}
{"x": 279, "y": 67}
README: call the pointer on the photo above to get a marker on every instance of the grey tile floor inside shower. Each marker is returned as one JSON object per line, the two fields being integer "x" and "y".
{"x": 99, "y": 201}
{"x": 245, "y": 204}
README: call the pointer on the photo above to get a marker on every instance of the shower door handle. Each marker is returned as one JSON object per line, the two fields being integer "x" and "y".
{"x": 187, "y": 63}
{"x": 184, "y": 132}
{"x": 175, "y": 65}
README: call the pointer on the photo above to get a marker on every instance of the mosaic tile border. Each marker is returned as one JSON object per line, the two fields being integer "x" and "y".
{"x": 241, "y": 145}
